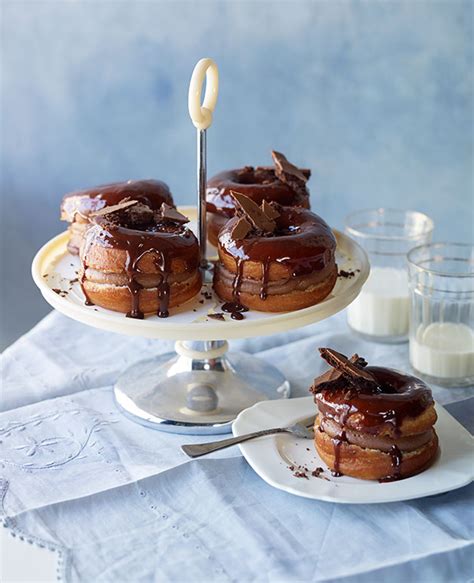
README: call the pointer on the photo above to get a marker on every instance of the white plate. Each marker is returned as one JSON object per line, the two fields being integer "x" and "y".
{"x": 271, "y": 457}
{"x": 54, "y": 269}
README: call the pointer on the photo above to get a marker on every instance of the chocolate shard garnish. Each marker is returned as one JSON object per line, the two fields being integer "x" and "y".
{"x": 241, "y": 229}
{"x": 269, "y": 210}
{"x": 122, "y": 205}
{"x": 286, "y": 171}
{"x": 253, "y": 213}
{"x": 343, "y": 364}
{"x": 168, "y": 213}
{"x": 331, "y": 378}
{"x": 345, "y": 371}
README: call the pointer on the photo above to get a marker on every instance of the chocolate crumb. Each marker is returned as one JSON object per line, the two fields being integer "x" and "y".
{"x": 217, "y": 316}
{"x": 57, "y": 290}
{"x": 317, "y": 472}
{"x": 299, "y": 474}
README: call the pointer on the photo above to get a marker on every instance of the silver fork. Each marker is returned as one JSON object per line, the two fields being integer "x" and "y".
{"x": 303, "y": 429}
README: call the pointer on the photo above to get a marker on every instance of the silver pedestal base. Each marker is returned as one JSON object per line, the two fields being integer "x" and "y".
{"x": 200, "y": 390}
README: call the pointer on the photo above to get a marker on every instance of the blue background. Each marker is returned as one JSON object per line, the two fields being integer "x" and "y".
{"x": 375, "y": 97}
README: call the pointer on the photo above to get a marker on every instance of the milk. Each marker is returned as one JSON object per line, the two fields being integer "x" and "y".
{"x": 381, "y": 309}
{"x": 444, "y": 350}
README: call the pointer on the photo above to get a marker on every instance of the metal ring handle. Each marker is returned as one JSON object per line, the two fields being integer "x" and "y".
{"x": 201, "y": 115}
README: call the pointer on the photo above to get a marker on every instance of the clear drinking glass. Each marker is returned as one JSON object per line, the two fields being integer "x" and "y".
{"x": 380, "y": 312}
{"x": 442, "y": 313}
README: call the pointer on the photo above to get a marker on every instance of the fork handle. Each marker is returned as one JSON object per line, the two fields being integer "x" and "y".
{"x": 198, "y": 449}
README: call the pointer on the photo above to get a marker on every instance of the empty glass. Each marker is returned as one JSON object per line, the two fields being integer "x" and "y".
{"x": 380, "y": 312}
{"x": 442, "y": 312}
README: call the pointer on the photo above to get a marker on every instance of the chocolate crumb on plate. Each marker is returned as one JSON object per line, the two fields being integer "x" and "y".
{"x": 217, "y": 316}
{"x": 349, "y": 273}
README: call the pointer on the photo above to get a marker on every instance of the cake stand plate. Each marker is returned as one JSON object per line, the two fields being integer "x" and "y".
{"x": 202, "y": 388}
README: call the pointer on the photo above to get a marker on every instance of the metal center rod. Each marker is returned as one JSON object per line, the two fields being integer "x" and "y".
{"x": 202, "y": 180}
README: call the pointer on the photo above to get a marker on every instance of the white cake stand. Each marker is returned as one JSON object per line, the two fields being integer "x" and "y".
{"x": 201, "y": 388}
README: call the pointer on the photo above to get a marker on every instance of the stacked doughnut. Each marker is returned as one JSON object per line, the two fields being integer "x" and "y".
{"x": 373, "y": 423}
{"x": 137, "y": 260}
{"x": 77, "y": 206}
{"x": 273, "y": 258}
{"x": 284, "y": 184}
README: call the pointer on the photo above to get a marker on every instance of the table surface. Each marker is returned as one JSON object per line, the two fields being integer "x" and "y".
{"x": 105, "y": 512}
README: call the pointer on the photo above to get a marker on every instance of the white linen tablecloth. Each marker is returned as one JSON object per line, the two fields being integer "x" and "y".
{"x": 120, "y": 502}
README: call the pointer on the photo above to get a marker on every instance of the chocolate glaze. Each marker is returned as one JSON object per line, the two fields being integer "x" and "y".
{"x": 303, "y": 241}
{"x": 164, "y": 240}
{"x": 150, "y": 192}
{"x": 260, "y": 183}
{"x": 398, "y": 396}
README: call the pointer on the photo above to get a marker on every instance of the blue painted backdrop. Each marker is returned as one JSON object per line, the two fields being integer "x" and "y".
{"x": 375, "y": 97}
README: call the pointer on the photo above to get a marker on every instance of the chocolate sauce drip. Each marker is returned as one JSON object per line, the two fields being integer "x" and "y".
{"x": 235, "y": 308}
{"x": 134, "y": 288}
{"x": 164, "y": 296}
{"x": 337, "y": 442}
{"x": 231, "y": 307}
{"x": 396, "y": 457}
{"x": 237, "y": 280}
{"x": 265, "y": 271}
{"x": 237, "y": 316}
{"x": 82, "y": 279}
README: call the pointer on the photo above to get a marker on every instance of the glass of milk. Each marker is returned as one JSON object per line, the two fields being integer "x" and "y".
{"x": 442, "y": 313}
{"x": 380, "y": 312}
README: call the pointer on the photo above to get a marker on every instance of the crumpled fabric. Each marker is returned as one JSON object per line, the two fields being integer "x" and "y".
{"x": 121, "y": 502}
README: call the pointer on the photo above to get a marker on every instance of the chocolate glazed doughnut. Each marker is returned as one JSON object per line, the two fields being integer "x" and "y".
{"x": 374, "y": 423}
{"x": 284, "y": 184}
{"x": 78, "y": 205}
{"x": 274, "y": 258}
{"x": 138, "y": 261}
